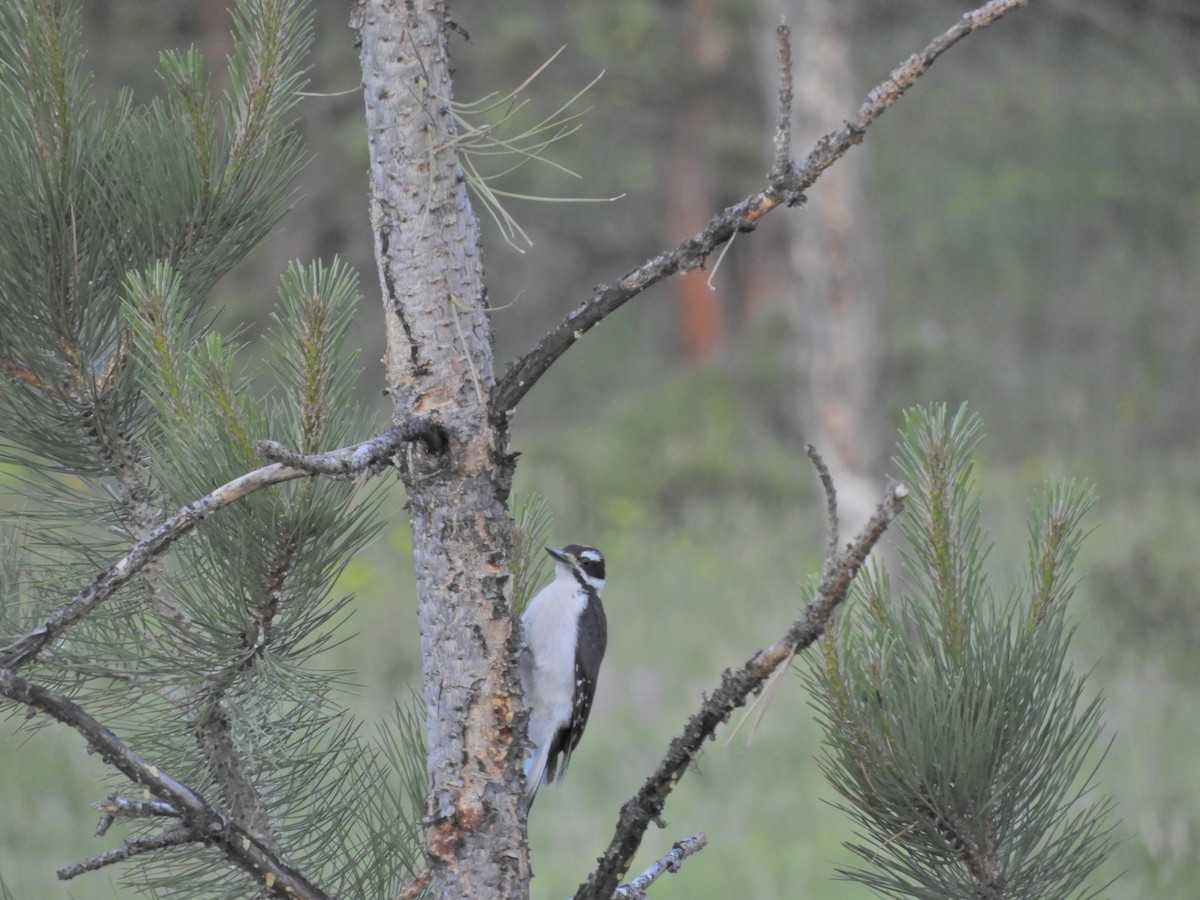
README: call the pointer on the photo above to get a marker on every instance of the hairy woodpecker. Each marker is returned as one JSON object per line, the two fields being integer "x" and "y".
{"x": 566, "y": 632}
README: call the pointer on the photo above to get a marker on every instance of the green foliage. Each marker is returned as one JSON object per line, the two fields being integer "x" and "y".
{"x": 955, "y": 729}
{"x": 530, "y": 562}
{"x": 121, "y": 406}
{"x": 92, "y": 193}
{"x": 387, "y": 825}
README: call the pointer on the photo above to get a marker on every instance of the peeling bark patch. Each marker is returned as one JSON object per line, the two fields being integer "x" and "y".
{"x": 444, "y": 839}
{"x": 477, "y": 455}
{"x": 502, "y": 717}
{"x": 439, "y": 396}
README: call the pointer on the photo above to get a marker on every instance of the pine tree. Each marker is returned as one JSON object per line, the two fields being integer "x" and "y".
{"x": 136, "y": 428}
{"x": 122, "y": 404}
{"x": 955, "y": 729}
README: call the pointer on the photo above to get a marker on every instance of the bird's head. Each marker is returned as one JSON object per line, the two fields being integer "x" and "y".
{"x": 583, "y": 564}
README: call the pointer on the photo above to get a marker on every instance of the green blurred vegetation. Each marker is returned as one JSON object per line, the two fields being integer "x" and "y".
{"x": 1040, "y": 197}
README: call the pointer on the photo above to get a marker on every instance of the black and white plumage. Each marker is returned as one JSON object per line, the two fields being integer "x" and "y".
{"x": 566, "y": 633}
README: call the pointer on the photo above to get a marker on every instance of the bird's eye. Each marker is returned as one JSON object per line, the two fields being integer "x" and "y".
{"x": 593, "y": 567}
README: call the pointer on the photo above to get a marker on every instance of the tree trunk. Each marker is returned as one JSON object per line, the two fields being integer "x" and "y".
{"x": 439, "y": 364}
{"x": 689, "y": 199}
{"x": 835, "y": 273}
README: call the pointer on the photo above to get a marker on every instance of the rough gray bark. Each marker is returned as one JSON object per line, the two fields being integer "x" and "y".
{"x": 439, "y": 363}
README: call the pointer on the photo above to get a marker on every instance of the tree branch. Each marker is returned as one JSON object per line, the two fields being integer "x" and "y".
{"x": 228, "y": 769}
{"x": 172, "y": 837}
{"x": 785, "y": 187}
{"x": 231, "y": 773}
{"x": 669, "y": 862}
{"x": 140, "y": 508}
{"x": 832, "y": 540}
{"x": 116, "y": 805}
{"x": 201, "y": 821}
{"x": 366, "y": 457}
{"x": 370, "y": 456}
{"x": 252, "y": 848}
{"x": 736, "y": 687}
{"x": 783, "y": 125}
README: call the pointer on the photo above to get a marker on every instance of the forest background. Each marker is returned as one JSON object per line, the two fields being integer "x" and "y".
{"x": 1036, "y": 217}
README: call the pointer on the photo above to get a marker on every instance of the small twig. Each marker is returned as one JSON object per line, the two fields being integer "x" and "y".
{"x": 368, "y": 456}
{"x": 784, "y": 188}
{"x": 758, "y": 708}
{"x": 831, "y": 508}
{"x": 711, "y": 282}
{"x": 172, "y": 837}
{"x": 202, "y": 821}
{"x": 116, "y": 805}
{"x": 371, "y": 456}
{"x": 233, "y": 785}
{"x": 783, "y": 125}
{"x": 669, "y": 862}
{"x": 736, "y": 687}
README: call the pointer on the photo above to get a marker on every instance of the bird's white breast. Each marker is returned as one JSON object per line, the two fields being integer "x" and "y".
{"x": 551, "y": 629}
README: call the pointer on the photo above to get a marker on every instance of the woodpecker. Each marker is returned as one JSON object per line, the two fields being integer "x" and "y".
{"x": 566, "y": 633}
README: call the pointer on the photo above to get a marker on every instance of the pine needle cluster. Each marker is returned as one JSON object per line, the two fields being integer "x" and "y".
{"x": 530, "y": 563}
{"x": 121, "y": 404}
{"x": 956, "y": 731}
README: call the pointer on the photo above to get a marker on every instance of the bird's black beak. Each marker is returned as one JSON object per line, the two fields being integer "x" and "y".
{"x": 557, "y": 554}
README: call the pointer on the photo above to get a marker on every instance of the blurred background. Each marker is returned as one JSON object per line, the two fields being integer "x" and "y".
{"x": 1019, "y": 232}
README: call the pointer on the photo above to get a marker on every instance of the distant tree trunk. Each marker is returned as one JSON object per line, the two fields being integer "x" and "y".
{"x": 701, "y": 320}
{"x": 439, "y": 363}
{"x": 689, "y": 201}
{"x": 834, "y": 292}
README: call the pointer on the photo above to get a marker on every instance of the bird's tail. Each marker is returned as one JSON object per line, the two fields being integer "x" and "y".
{"x": 535, "y": 772}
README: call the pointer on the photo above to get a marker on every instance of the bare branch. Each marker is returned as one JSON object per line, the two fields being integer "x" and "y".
{"x": 252, "y": 848}
{"x": 758, "y": 709}
{"x": 784, "y": 188}
{"x": 669, "y": 862}
{"x": 366, "y": 457}
{"x": 736, "y": 687}
{"x": 371, "y": 456}
{"x": 200, "y": 821}
{"x": 783, "y": 126}
{"x": 831, "y": 509}
{"x": 691, "y": 254}
{"x": 140, "y": 508}
{"x": 116, "y": 805}
{"x": 172, "y": 837}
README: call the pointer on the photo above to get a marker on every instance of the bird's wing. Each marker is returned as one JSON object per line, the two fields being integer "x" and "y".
{"x": 590, "y": 644}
